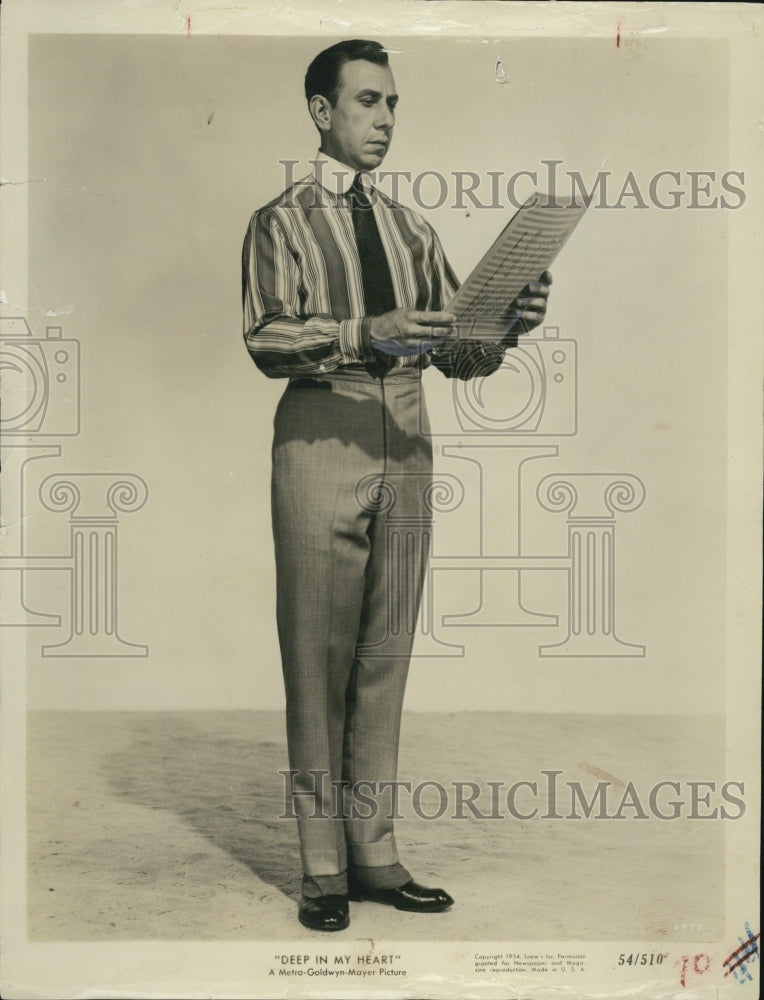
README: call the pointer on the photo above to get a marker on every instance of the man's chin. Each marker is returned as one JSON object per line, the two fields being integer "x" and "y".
{"x": 370, "y": 160}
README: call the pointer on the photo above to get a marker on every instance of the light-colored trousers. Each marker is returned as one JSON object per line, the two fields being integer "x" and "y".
{"x": 352, "y": 467}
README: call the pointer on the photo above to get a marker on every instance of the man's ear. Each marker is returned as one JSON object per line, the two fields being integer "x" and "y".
{"x": 321, "y": 112}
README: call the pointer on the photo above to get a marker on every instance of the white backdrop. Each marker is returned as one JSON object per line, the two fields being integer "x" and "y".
{"x": 148, "y": 155}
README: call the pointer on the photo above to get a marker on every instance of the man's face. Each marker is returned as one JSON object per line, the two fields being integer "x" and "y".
{"x": 362, "y": 121}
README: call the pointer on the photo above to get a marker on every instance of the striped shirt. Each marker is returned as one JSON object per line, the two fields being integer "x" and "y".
{"x": 302, "y": 287}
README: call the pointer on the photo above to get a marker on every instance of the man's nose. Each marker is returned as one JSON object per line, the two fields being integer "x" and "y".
{"x": 386, "y": 119}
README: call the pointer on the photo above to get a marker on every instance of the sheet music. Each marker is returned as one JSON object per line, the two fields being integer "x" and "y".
{"x": 524, "y": 249}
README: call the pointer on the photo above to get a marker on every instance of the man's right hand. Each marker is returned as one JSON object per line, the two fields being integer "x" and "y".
{"x": 407, "y": 332}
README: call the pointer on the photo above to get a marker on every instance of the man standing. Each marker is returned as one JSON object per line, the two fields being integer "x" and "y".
{"x": 343, "y": 293}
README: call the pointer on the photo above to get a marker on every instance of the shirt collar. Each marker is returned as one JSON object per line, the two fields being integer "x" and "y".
{"x": 334, "y": 175}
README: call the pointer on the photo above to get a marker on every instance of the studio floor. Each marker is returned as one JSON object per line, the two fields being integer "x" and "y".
{"x": 165, "y": 825}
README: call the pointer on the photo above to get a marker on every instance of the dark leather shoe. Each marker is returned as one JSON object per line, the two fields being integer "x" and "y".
{"x": 325, "y": 913}
{"x": 411, "y": 896}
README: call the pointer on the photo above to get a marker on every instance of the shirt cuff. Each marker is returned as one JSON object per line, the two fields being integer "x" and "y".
{"x": 355, "y": 341}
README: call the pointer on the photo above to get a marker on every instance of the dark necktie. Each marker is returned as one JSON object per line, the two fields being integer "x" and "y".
{"x": 375, "y": 271}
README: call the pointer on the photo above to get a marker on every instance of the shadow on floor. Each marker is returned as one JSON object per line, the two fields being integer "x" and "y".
{"x": 175, "y": 767}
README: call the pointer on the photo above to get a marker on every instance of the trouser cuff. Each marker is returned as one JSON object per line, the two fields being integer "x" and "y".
{"x": 372, "y": 855}
{"x": 381, "y": 876}
{"x": 314, "y": 886}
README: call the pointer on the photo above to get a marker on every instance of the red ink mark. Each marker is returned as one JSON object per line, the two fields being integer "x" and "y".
{"x": 618, "y": 36}
{"x": 188, "y": 24}
{"x": 697, "y": 967}
{"x": 683, "y": 974}
{"x": 748, "y": 950}
{"x": 662, "y": 426}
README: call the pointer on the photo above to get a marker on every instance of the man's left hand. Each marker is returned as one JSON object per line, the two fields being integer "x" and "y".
{"x": 529, "y": 308}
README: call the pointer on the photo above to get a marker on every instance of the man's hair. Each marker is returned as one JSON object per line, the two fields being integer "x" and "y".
{"x": 323, "y": 76}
